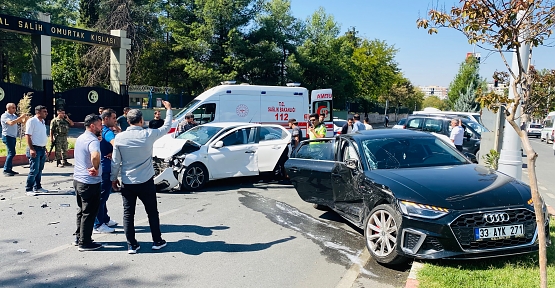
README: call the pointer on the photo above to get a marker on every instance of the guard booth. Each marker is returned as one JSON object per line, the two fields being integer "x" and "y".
{"x": 80, "y": 102}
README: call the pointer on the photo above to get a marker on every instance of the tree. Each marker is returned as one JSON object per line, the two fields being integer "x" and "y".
{"x": 517, "y": 26}
{"x": 543, "y": 88}
{"x": 468, "y": 78}
{"x": 434, "y": 101}
{"x": 467, "y": 100}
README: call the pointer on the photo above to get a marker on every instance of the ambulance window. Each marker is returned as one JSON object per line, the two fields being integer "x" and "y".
{"x": 205, "y": 113}
{"x": 323, "y": 107}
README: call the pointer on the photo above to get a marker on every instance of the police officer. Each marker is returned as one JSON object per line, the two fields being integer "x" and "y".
{"x": 59, "y": 130}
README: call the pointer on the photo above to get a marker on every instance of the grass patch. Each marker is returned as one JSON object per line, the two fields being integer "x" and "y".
{"x": 21, "y": 146}
{"x": 513, "y": 271}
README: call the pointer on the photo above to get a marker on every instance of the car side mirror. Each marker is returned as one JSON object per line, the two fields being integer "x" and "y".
{"x": 351, "y": 163}
{"x": 219, "y": 144}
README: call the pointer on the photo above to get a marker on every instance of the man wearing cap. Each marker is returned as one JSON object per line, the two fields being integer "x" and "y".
{"x": 132, "y": 156}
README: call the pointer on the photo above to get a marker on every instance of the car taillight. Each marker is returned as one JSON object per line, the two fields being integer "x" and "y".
{"x": 404, "y": 126}
{"x": 338, "y": 132}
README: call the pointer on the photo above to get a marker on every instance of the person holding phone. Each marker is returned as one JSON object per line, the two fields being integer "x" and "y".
{"x": 59, "y": 130}
{"x": 317, "y": 129}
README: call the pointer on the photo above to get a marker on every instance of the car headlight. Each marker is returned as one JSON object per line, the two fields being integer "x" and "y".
{"x": 421, "y": 210}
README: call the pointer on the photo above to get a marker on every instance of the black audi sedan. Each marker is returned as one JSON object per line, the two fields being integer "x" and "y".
{"x": 416, "y": 196}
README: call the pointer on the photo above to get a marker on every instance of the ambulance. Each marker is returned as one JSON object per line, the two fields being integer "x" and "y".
{"x": 259, "y": 104}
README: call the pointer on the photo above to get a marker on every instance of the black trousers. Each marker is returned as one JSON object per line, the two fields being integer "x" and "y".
{"x": 146, "y": 192}
{"x": 88, "y": 201}
{"x": 459, "y": 147}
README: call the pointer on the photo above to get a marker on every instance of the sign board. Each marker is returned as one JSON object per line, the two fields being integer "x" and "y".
{"x": 30, "y": 26}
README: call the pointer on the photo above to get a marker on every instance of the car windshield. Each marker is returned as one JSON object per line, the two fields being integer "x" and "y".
{"x": 186, "y": 109}
{"x": 395, "y": 153}
{"x": 477, "y": 127}
{"x": 200, "y": 134}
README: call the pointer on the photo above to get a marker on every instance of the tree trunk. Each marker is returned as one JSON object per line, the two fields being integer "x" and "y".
{"x": 531, "y": 156}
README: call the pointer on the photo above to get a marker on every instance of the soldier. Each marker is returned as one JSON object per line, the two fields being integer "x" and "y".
{"x": 59, "y": 129}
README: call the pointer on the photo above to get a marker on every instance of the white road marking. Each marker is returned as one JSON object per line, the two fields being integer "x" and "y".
{"x": 542, "y": 188}
{"x": 550, "y": 195}
{"x": 351, "y": 275}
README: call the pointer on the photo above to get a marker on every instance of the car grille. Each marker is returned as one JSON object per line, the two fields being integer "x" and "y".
{"x": 431, "y": 243}
{"x": 411, "y": 240}
{"x": 463, "y": 228}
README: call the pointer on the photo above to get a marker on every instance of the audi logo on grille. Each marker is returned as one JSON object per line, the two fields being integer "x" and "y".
{"x": 496, "y": 217}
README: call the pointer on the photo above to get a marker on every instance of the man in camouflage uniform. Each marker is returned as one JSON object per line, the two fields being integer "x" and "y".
{"x": 59, "y": 129}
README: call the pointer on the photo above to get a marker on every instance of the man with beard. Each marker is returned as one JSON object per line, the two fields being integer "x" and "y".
{"x": 86, "y": 181}
{"x": 103, "y": 223}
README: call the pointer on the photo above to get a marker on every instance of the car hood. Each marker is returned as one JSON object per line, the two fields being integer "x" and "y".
{"x": 167, "y": 146}
{"x": 458, "y": 187}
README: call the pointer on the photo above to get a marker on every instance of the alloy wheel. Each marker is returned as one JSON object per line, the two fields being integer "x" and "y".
{"x": 382, "y": 231}
{"x": 194, "y": 177}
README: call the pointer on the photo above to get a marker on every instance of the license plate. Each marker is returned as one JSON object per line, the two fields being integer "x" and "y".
{"x": 499, "y": 232}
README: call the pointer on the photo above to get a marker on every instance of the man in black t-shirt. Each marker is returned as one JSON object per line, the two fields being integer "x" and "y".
{"x": 156, "y": 122}
{"x": 296, "y": 134}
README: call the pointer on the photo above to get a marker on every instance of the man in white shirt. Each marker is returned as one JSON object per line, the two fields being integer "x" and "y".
{"x": 35, "y": 134}
{"x": 457, "y": 134}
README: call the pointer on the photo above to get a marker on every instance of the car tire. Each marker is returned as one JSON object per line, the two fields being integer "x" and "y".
{"x": 193, "y": 177}
{"x": 320, "y": 207}
{"x": 383, "y": 252}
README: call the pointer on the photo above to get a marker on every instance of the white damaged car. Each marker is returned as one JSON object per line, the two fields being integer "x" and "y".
{"x": 218, "y": 150}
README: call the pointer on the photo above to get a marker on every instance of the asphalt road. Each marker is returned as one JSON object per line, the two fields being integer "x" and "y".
{"x": 545, "y": 170}
{"x": 235, "y": 233}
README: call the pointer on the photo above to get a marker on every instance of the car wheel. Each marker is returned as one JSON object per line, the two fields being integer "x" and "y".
{"x": 193, "y": 177}
{"x": 320, "y": 207}
{"x": 381, "y": 230}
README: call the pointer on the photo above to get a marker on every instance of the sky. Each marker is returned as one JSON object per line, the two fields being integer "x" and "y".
{"x": 424, "y": 59}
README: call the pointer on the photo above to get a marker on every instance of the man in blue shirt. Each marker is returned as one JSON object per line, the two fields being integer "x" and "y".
{"x": 86, "y": 181}
{"x": 103, "y": 223}
{"x": 9, "y": 135}
{"x": 133, "y": 157}
{"x": 357, "y": 126}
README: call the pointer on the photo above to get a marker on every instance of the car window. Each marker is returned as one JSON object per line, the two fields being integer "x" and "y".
{"x": 402, "y": 121}
{"x": 315, "y": 151}
{"x": 477, "y": 127}
{"x": 537, "y": 126}
{"x": 200, "y": 134}
{"x": 433, "y": 125}
{"x": 348, "y": 151}
{"x": 396, "y": 153}
{"x": 272, "y": 133}
{"x": 414, "y": 123}
{"x": 339, "y": 123}
{"x": 239, "y": 137}
{"x": 205, "y": 113}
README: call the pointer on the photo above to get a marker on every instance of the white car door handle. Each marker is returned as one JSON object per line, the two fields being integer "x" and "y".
{"x": 250, "y": 151}
{"x": 276, "y": 147}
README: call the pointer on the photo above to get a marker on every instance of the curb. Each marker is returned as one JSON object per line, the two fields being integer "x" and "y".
{"x": 412, "y": 279}
{"x": 22, "y": 159}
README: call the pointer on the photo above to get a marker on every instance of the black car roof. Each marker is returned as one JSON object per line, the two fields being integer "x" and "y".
{"x": 391, "y": 133}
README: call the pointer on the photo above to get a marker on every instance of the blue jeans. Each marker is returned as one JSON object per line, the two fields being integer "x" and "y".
{"x": 36, "y": 165}
{"x": 105, "y": 188}
{"x": 10, "y": 143}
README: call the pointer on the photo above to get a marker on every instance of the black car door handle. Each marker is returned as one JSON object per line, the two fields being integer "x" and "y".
{"x": 294, "y": 169}
{"x": 250, "y": 151}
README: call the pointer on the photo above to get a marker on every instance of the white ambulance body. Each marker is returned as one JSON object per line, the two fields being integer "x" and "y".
{"x": 256, "y": 104}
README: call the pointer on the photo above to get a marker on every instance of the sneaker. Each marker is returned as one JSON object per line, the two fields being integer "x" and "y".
{"x": 40, "y": 190}
{"x": 111, "y": 223}
{"x": 76, "y": 242}
{"x": 132, "y": 249}
{"x": 65, "y": 163}
{"x": 159, "y": 245}
{"x": 102, "y": 229}
{"x": 30, "y": 193}
{"x": 90, "y": 247}
{"x": 8, "y": 173}
{"x": 13, "y": 172}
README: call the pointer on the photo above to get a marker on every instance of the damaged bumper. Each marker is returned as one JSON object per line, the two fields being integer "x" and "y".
{"x": 165, "y": 180}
